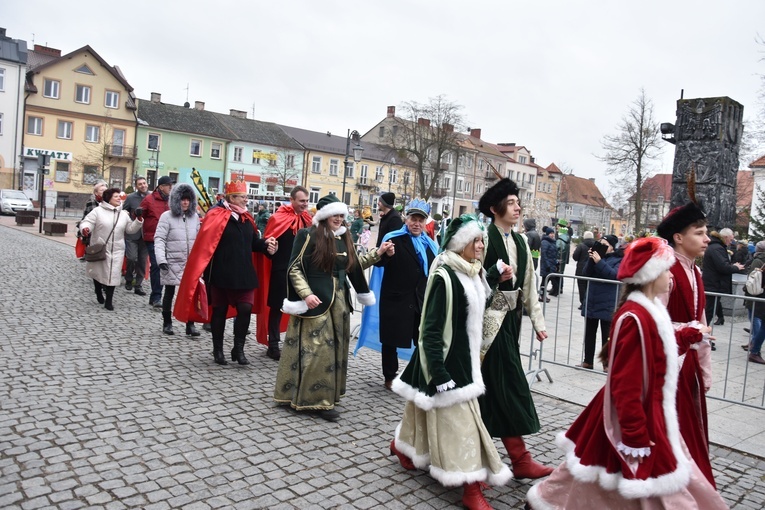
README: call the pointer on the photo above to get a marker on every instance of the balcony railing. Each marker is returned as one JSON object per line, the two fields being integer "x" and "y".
{"x": 489, "y": 176}
{"x": 439, "y": 192}
{"x": 121, "y": 151}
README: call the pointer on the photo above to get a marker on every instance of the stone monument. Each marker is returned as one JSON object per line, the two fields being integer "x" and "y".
{"x": 707, "y": 135}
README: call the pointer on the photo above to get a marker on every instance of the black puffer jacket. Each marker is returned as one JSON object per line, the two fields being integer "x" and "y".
{"x": 717, "y": 269}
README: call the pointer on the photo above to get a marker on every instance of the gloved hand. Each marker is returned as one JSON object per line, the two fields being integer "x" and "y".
{"x": 138, "y": 213}
{"x": 164, "y": 267}
{"x": 85, "y": 232}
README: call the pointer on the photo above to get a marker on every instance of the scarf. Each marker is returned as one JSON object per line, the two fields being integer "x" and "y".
{"x": 421, "y": 243}
{"x": 236, "y": 211}
{"x": 459, "y": 264}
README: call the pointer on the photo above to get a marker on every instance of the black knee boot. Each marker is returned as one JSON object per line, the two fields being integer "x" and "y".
{"x": 220, "y": 359}
{"x": 167, "y": 323}
{"x": 191, "y": 330}
{"x": 99, "y": 292}
{"x": 109, "y": 290}
{"x": 237, "y": 353}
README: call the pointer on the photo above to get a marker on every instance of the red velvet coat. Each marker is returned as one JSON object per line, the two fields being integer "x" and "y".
{"x": 636, "y": 407}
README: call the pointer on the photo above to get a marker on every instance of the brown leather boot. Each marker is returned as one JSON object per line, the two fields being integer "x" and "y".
{"x": 523, "y": 465}
{"x": 472, "y": 497}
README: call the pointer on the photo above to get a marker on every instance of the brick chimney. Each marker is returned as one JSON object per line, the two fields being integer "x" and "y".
{"x": 156, "y": 97}
{"x": 391, "y": 111}
{"x": 475, "y": 133}
{"x": 45, "y": 50}
{"x": 239, "y": 114}
{"x": 448, "y": 128}
{"x": 199, "y": 105}
{"x": 423, "y": 122}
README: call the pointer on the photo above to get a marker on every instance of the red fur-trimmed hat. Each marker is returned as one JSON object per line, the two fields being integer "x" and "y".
{"x": 645, "y": 259}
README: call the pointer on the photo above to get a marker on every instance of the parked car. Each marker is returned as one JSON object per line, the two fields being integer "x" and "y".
{"x": 12, "y": 201}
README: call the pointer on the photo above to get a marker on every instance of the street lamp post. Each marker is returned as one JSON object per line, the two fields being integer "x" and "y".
{"x": 406, "y": 186}
{"x": 357, "y": 151}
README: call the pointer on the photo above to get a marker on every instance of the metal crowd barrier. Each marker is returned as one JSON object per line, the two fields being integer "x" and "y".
{"x": 735, "y": 379}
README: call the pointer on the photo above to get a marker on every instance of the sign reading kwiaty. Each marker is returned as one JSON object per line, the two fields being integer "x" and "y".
{"x": 30, "y": 152}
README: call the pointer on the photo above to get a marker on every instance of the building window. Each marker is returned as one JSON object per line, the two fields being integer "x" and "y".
{"x": 448, "y": 158}
{"x": 51, "y": 88}
{"x": 112, "y": 99}
{"x": 313, "y": 195}
{"x": 382, "y": 132}
{"x": 333, "y": 163}
{"x": 82, "y": 94}
{"x": 215, "y": 150}
{"x": 195, "y": 148}
{"x": 290, "y": 161}
{"x": 255, "y": 157}
{"x": 2, "y": 79}
{"x": 478, "y": 189}
{"x": 480, "y": 164}
{"x": 522, "y": 160}
{"x": 510, "y": 174}
{"x": 395, "y": 131}
{"x": 349, "y": 169}
{"x": 447, "y": 182}
{"x": 62, "y": 171}
{"x": 34, "y": 126}
{"x": 531, "y": 179}
{"x": 316, "y": 165}
{"x": 153, "y": 142}
{"x": 467, "y": 187}
{"x": 64, "y": 130}
{"x": 569, "y": 210}
{"x": 393, "y": 175}
{"x": 459, "y": 184}
{"x": 238, "y": 152}
{"x": 84, "y": 69}
{"x": 364, "y": 173}
{"x": 272, "y": 159}
{"x": 470, "y": 162}
{"x": 118, "y": 142}
{"x": 92, "y": 133}
{"x": 379, "y": 174}
{"x": 89, "y": 174}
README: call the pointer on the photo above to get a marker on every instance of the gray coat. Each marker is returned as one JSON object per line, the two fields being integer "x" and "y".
{"x": 175, "y": 235}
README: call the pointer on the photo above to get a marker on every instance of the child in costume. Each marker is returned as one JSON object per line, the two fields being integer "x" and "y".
{"x": 625, "y": 450}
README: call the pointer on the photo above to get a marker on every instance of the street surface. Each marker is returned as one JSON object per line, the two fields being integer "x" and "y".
{"x": 99, "y": 409}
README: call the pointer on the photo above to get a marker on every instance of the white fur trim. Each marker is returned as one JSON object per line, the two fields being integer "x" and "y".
{"x": 329, "y": 210}
{"x": 367, "y": 298}
{"x": 294, "y": 307}
{"x": 535, "y": 500}
{"x": 475, "y": 289}
{"x": 653, "y": 268}
{"x": 464, "y": 235}
{"x": 451, "y": 478}
{"x": 666, "y": 484}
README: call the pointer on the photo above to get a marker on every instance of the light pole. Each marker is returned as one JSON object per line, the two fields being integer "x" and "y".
{"x": 357, "y": 151}
{"x": 406, "y": 185}
{"x": 154, "y": 161}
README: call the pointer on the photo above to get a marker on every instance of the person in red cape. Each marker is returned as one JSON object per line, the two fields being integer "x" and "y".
{"x": 223, "y": 253}
{"x": 283, "y": 225}
{"x": 686, "y": 231}
{"x": 625, "y": 450}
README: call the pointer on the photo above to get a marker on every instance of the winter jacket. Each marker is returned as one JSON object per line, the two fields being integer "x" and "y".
{"x": 532, "y": 236}
{"x": 261, "y": 220}
{"x": 153, "y": 206}
{"x": 548, "y": 260}
{"x": 564, "y": 248}
{"x": 100, "y": 221}
{"x": 602, "y": 297}
{"x": 388, "y": 223}
{"x": 758, "y": 262}
{"x": 716, "y": 270}
{"x": 582, "y": 255}
{"x": 174, "y": 237}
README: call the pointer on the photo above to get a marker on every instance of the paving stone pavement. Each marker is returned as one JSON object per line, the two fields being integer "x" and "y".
{"x": 98, "y": 409}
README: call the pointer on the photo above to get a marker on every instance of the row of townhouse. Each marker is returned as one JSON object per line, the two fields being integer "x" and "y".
{"x": 83, "y": 113}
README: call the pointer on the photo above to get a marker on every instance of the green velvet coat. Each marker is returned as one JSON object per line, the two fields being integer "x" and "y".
{"x": 507, "y": 408}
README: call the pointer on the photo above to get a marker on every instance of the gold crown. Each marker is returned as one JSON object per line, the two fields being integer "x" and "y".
{"x": 236, "y": 187}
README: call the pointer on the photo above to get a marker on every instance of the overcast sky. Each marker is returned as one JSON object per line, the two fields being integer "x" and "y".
{"x": 552, "y": 75}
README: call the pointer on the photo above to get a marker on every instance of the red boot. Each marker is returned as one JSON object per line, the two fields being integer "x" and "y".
{"x": 472, "y": 497}
{"x": 523, "y": 465}
{"x": 405, "y": 461}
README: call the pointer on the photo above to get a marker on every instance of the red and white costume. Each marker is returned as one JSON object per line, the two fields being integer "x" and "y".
{"x": 634, "y": 413}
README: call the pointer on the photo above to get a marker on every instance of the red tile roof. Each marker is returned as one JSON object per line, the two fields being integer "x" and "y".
{"x": 578, "y": 190}
{"x": 758, "y": 163}
{"x": 553, "y": 169}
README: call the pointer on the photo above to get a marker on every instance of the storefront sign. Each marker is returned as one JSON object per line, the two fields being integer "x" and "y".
{"x": 30, "y": 152}
{"x": 270, "y": 156}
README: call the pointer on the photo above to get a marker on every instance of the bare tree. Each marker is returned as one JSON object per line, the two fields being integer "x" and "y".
{"x": 284, "y": 168}
{"x": 424, "y": 134}
{"x": 629, "y": 152}
{"x": 98, "y": 157}
{"x": 753, "y": 141}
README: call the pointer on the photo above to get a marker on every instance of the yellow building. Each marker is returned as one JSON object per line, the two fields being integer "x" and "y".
{"x": 80, "y": 111}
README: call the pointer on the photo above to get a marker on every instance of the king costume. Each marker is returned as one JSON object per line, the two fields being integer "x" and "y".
{"x": 633, "y": 416}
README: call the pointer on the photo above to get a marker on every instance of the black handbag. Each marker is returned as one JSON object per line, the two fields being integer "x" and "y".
{"x": 96, "y": 251}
